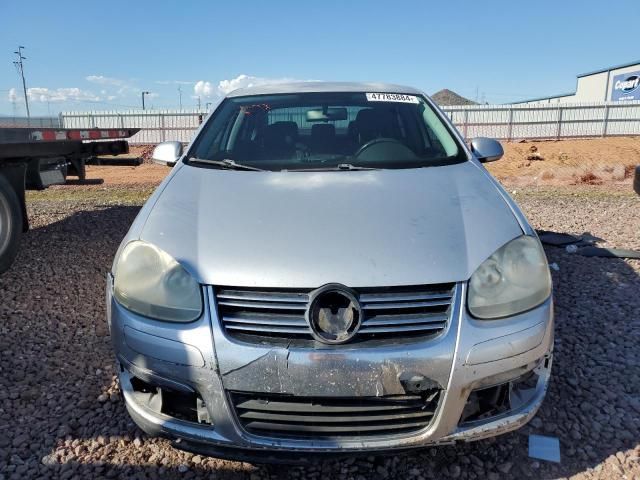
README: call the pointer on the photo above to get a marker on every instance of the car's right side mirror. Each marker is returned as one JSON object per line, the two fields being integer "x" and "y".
{"x": 486, "y": 149}
{"x": 167, "y": 153}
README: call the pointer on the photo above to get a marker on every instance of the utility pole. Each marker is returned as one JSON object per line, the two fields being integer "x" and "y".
{"x": 143, "y": 94}
{"x": 198, "y": 102}
{"x": 20, "y": 66}
{"x": 180, "y": 94}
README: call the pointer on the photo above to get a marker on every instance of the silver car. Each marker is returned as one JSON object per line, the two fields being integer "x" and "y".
{"x": 329, "y": 268}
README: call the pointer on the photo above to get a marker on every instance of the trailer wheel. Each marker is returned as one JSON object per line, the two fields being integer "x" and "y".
{"x": 10, "y": 224}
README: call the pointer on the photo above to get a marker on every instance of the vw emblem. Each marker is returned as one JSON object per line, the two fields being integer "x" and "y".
{"x": 334, "y": 314}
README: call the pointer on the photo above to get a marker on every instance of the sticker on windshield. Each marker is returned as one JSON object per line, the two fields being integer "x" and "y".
{"x": 392, "y": 97}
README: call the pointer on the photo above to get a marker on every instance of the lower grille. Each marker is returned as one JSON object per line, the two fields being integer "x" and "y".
{"x": 389, "y": 312}
{"x": 326, "y": 417}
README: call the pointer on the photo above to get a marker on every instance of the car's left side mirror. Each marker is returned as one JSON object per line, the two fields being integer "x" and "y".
{"x": 486, "y": 149}
{"x": 167, "y": 153}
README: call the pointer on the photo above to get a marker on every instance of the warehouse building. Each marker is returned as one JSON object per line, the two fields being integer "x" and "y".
{"x": 617, "y": 83}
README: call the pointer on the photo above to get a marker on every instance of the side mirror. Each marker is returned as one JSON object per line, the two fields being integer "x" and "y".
{"x": 167, "y": 153}
{"x": 486, "y": 149}
{"x": 636, "y": 180}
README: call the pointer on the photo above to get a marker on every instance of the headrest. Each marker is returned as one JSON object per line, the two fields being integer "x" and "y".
{"x": 323, "y": 130}
{"x": 372, "y": 123}
{"x": 282, "y": 131}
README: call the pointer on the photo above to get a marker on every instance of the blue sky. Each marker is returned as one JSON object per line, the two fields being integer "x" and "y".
{"x": 101, "y": 55}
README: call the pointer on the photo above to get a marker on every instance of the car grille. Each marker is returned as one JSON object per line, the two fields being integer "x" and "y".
{"x": 327, "y": 417}
{"x": 388, "y": 312}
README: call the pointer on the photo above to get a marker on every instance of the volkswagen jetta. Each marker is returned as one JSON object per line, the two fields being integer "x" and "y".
{"x": 329, "y": 268}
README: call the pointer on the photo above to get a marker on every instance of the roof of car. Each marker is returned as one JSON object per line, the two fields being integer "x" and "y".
{"x": 314, "y": 87}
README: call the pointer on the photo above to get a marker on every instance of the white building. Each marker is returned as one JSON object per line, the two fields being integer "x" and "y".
{"x": 617, "y": 83}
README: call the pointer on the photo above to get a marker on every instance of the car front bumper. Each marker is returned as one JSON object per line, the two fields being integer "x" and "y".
{"x": 198, "y": 357}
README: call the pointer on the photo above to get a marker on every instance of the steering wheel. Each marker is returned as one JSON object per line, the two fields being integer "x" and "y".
{"x": 384, "y": 144}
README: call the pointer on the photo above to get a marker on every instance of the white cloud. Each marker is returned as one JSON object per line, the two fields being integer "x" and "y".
{"x": 113, "y": 87}
{"x": 41, "y": 94}
{"x": 244, "y": 81}
{"x": 203, "y": 89}
{"x": 206, "y": 89}
{"x": 102, "y": 80}
{"x": 174, "y": 82}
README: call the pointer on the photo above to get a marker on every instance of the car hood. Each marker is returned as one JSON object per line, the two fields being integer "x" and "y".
{"x": 306, "y": 229}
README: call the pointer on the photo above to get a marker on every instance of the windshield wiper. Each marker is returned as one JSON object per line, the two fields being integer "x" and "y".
{"x": 342, "y": 166}
{"x": 226, "y": 163}
{"x": 349, "y": 166}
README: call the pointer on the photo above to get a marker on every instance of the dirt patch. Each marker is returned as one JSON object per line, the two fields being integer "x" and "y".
{"x": 145, "y": 174}
{"x": 142, "y": 151}
{"x": 568, "y": 162}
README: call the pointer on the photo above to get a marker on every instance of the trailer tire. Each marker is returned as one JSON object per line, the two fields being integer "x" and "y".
{"x": 11, "y": 223}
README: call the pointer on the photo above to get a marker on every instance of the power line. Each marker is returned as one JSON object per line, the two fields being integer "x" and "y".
{"x": 20, "y": 66}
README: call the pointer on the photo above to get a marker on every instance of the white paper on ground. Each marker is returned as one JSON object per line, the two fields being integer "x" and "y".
{"x": 544, "y": 448}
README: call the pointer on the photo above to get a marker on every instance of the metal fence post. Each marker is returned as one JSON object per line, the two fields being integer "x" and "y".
{"x": 465, "y": 120}
{"x": 605, "y": 120}
{"x": 163, "y": 133}
{"x": 559, "y": 125}
{"x": 510, "y": 126}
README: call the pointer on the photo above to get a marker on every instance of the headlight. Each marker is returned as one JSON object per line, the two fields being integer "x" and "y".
{"x": 150, "y": 282}
{"x": 514, "y": 279}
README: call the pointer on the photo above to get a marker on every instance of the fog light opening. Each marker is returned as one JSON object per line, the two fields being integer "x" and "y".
{"x": 492, "y": 401}
{"x": 486, "y": 402}
{"x": 188, "y": 407}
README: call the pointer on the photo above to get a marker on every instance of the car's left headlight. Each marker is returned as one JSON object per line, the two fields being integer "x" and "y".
{"x": 150, "y": 282}
{"x": 514, "y": 279}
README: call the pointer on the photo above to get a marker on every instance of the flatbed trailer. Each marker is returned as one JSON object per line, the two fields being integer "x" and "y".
{"x": 36, "y": 158}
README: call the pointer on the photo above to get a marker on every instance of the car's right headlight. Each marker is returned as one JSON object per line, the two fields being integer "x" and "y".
{"x": 150, "y": 282}
{"x": 514, "y": 279}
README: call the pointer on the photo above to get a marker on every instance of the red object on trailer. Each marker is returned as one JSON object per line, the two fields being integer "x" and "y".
{"x": 32, "y": 135}
{"x": 51, "y": 134}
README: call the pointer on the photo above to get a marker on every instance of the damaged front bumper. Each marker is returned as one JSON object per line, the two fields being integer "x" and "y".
{"x": 491, "y": 378}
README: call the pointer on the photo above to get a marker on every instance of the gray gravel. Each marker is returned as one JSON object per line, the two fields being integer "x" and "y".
{"x": 61, "y": 415}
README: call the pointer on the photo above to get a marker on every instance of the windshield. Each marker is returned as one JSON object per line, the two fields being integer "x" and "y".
{"x": 318, "y": 131}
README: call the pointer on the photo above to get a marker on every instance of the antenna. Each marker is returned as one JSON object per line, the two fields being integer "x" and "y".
{"x": 20, "y": 66}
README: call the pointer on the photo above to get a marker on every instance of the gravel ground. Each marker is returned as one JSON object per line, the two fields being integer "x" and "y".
{"x": 61, "y": 415}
